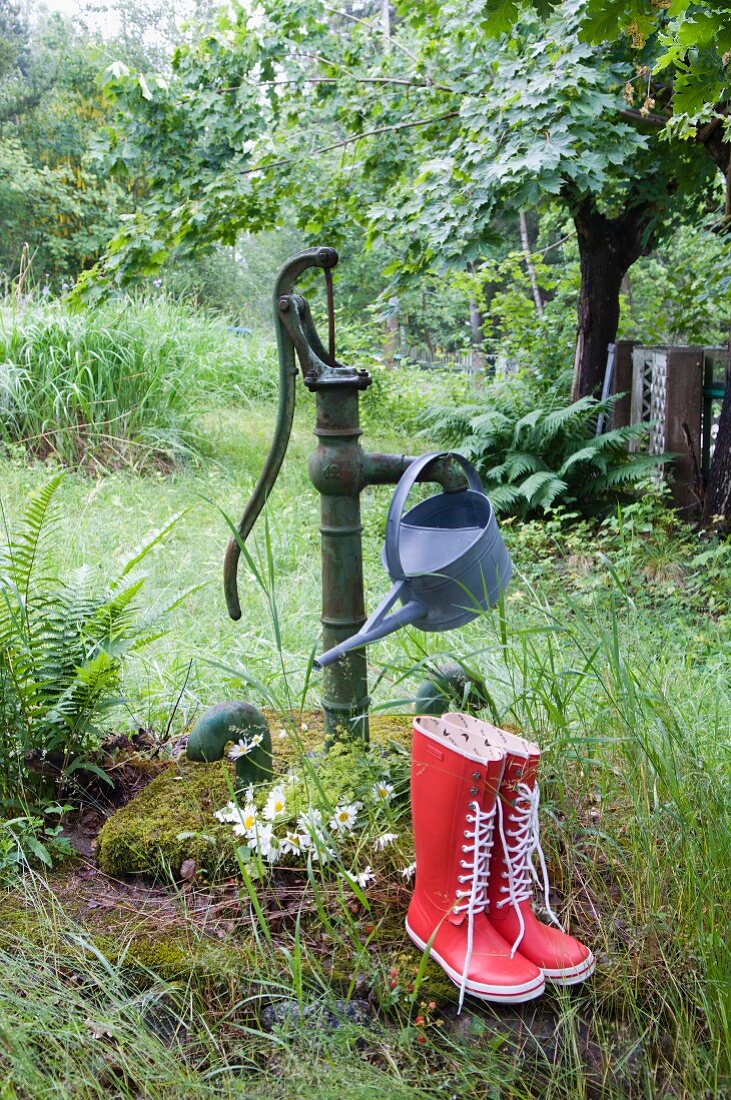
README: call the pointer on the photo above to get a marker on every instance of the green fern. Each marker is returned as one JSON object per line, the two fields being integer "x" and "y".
{"x": 536, "y": 457}
{"x": 62, "y": 646}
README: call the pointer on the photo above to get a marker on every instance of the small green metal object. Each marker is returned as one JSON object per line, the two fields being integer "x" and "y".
{"x": 246, "y": 727}
{"x": 340, "y": 470}
{"x": 448, "y": 687}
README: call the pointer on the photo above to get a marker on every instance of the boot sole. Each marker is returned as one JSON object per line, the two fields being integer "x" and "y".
{"x": 516, "y": 994}
{"x": 571, "y": 975}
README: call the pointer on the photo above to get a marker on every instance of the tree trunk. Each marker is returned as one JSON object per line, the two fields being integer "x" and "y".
{"x": 530, "y": 266}
{"x": 476, "y": 338}
{"x": 607, "y": 249}
{"x": 718, "y": 493}
{"x": 393, "y": 322}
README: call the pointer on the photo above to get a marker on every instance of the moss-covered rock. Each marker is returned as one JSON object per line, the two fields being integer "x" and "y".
{"x": 172, "y": 820}
{"x": 169, "y": 822}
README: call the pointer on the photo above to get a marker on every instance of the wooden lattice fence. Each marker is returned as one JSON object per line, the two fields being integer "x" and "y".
{"x": 678, "y": 392}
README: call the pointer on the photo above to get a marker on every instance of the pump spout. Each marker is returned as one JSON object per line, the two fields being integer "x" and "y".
{"x": 325, "y": 258}
{"x": 377, "y": 626}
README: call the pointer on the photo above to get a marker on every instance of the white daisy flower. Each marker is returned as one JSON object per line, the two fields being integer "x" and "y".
{"x": 344, "y": 817}
{"x": 311, "y": 825}
{"x": 409, "y": 872}
{"x": 384, "y": 840}
{"x": 263, "y": 841}
{"x": 228, "y": 813}
{"x": 295, "y": 843}
{"x": 364, "y": 878}
{"x": 382, "y": 791}
{"x": 304, "y": 727}
{"x": 246, "y": 821}
{"x": 275, "y": 804}
{"x": 244, "y": 747}
{"x": 311, "y": 819}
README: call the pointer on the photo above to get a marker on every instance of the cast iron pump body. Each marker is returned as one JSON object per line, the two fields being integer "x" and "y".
{"x": 339, "y": 469}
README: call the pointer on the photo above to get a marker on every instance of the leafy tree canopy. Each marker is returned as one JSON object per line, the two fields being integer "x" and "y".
{"x": 421, "y": 137}
{"x": 694, "y": 43}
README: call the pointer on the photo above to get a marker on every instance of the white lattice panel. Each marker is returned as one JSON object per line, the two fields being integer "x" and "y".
{"x": 656, "y": 410}
{"x": 649, "y": 386}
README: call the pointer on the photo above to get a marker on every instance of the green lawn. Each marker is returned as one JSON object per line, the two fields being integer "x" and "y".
{"x": 613, "y": 652}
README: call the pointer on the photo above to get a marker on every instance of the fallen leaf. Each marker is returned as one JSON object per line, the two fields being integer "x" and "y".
{"x": 98, "y": 1031}
{"x": 188, "y": 870}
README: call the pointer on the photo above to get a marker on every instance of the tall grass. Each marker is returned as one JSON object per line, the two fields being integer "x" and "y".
{"x": 617, "y": 668}
{"x": 121, "y": 385}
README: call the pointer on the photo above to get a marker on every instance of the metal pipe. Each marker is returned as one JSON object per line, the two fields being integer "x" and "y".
{"x": 384, "y": 469}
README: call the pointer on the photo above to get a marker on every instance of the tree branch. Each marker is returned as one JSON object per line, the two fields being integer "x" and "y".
{"x": 353, "y": 138}
{"x": 650, "y": 118}
{"x": 367, "y": 23}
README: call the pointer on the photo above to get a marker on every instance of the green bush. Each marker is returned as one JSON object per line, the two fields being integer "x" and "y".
{"x": 536, "y": 458}
{"x": 62, "y": 648}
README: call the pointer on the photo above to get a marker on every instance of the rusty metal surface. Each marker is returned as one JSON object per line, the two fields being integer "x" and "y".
{"x": 339, "y": 469}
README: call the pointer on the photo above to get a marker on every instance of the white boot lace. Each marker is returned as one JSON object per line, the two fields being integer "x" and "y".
{"x": 524, "y": 843}
{"x": 476, "y": 867}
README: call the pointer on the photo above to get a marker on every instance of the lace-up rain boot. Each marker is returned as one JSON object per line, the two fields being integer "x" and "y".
{"x": 453, "y": 800}
{"x": 563, "y": 959}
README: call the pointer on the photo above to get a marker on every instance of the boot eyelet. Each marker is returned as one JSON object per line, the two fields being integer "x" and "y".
{"x": 473, "y": 790}
{"x": 467, "y": 834}
{"x": 465, "y": 848}
{"x": 475, "y": 775}
{"x": 463, "y": 863}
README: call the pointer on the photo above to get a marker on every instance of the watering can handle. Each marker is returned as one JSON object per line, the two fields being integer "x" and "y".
{"x": 398, "y": 503}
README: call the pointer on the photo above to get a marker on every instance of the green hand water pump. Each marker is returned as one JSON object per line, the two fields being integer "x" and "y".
{"x": 339, "y": 469}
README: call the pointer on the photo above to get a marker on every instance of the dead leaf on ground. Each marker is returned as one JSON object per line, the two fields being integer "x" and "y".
{"x": 188, "y": 870}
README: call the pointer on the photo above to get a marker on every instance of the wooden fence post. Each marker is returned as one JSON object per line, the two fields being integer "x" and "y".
{"x": 684, "y": 411}
{"x": 622, "y": 383}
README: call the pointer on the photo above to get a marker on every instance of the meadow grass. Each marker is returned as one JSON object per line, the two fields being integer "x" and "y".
{"x": 608, "y": 650}
{"x": 123, "y": 385}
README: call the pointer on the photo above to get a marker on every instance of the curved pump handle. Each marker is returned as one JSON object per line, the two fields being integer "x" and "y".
{"x": 325, "y": 258}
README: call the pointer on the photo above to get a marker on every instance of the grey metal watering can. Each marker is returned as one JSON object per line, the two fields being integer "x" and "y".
{"x": 446, "y": 557}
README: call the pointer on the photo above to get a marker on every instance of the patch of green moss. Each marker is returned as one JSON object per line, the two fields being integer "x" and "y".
{"x": 172, "y": 820}
{"x": 207, "y": 965}
{"x": 169, "y": 822}
{"x": 306, "y": 731}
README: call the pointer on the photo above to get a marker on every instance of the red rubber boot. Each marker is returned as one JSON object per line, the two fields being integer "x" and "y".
{"x": 563, "y": 959}
{"x": 453, "y": 802}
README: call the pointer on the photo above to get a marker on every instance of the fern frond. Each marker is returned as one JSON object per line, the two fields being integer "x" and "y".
{"x": 22, "y": 550}
{"x": 628, "y": 474}
{"x": 153, "y": 539}
{"x": 522, "y": 462}
{"x": 541, "y": 489}
{"x": 504, "y": 497}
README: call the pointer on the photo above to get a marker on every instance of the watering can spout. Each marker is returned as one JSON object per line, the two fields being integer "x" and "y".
{"x": 377, "y": 626}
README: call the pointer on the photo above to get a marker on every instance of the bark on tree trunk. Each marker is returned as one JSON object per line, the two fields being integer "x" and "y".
{"x": 476, "y": 338}
{"x": 530, "y": 266}
{"x": 607, "y": 249}
{"x": 718, "y": 493}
